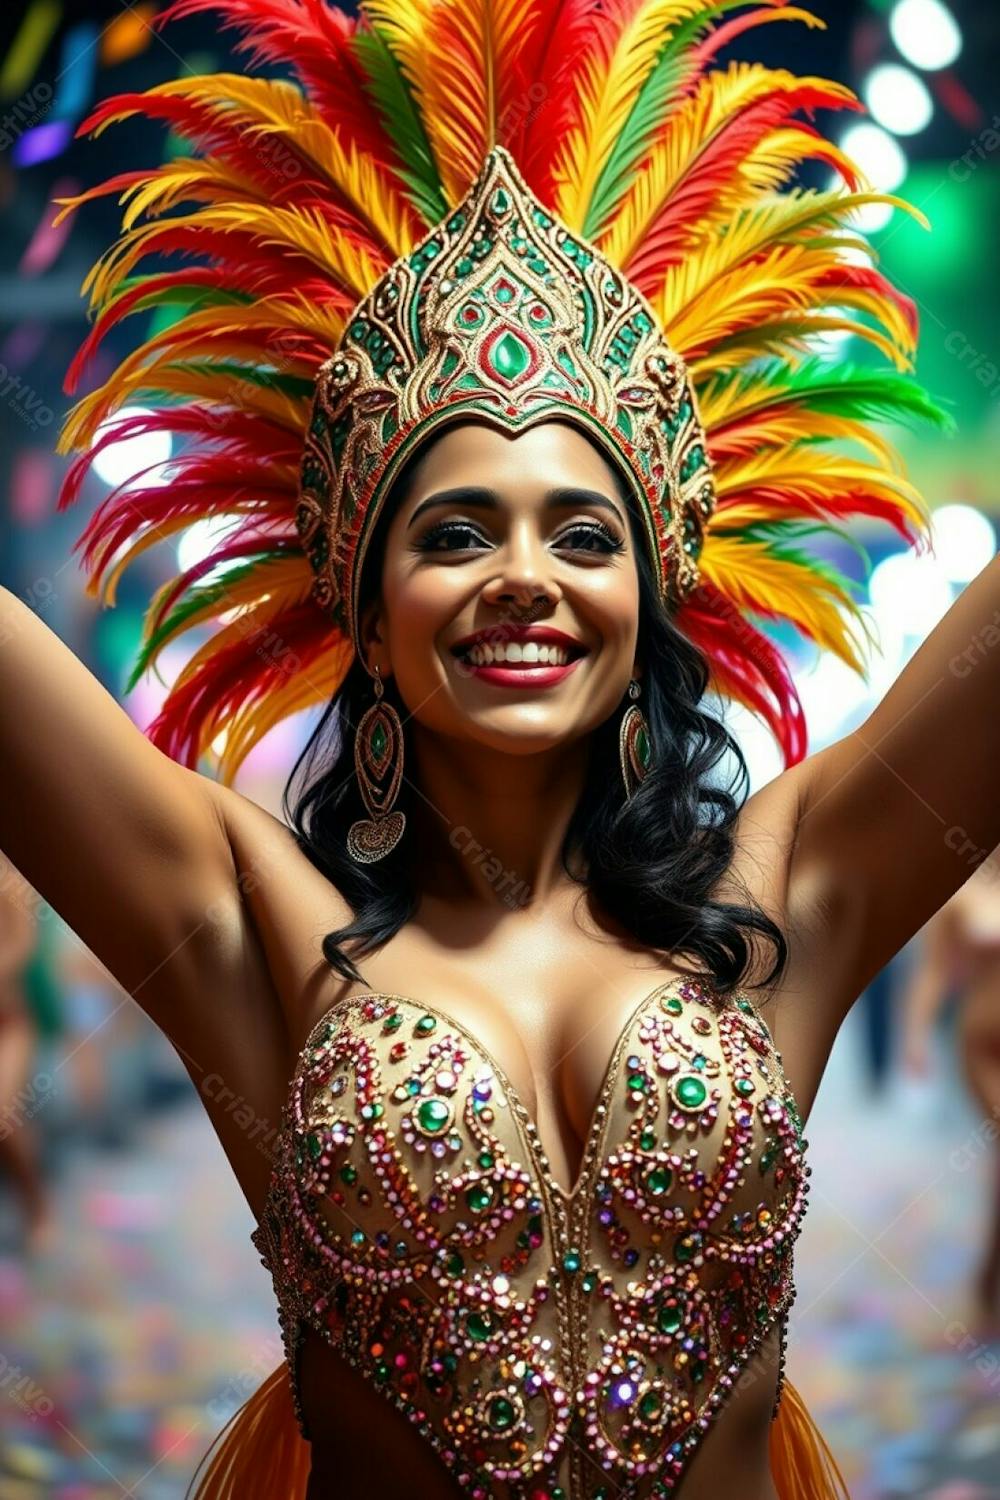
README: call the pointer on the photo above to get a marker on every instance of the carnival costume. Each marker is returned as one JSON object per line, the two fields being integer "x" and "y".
{"x": 508, "y": 211}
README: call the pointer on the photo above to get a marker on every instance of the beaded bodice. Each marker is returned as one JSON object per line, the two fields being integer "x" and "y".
{"x": 541, "y": 1341}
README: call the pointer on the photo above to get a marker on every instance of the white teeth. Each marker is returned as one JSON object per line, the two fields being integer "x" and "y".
{"x": 514, "y": 652}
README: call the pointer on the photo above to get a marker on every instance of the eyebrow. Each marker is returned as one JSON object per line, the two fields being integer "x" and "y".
{"x": 485, "y": 499}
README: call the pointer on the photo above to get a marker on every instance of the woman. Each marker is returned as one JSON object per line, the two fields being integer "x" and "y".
{"x": 505, "y": 312}
{"x": 960, "y": 956}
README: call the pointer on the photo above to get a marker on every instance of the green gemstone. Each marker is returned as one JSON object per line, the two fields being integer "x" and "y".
{"x": 479, "y": 1326}
{"x": 642, "y": 747}
{"x": 454, "y": 1265}
{"x": 647, "y": 1140}
{"x": 358, "y": 1237}
{"x": 669, "y": 1319}
{"x": 501, "y": 1413}
{"x": 485, "y": 1159}
{"x": 651, "y": 1405}
{"x": 659, "y": 1180}
{"x": 589, "y": 1281}
{"x": 571, "y": 1260}
{"x": 690, "y": 1092}
{"x": 674, "y": 1006}
{"x": 509, "y": 357}
{"x": 744, "y": 1086}
{"x": 434, "y": 1116}
{"x": 479, "y": 1197}
{"x": 393, "y": 1022}
{"x": 637, "y": 1083}
{"x": 348, "y": 1173}
{"x": 687, "y": 1246}
{"x": 379, "y": 740}
{"x": 373, "y": 1111}
{"x": 314, "y": 1145}
{"x": 426, "y": 1024}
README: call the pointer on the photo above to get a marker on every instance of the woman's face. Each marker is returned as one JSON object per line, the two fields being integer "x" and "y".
{"x": 524, "y": 539}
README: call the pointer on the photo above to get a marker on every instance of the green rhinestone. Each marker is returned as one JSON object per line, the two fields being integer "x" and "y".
{"x": 501, "y": 1413}
{"x": 379, "y": 740}
{"x": 434, "y": 1116}
{"x": 651, "y": 1405}
{"x": 647, "y": 1140}
{"x": 669, "y": 1319}
{"x": 509, "y": 356}
{"x": 454, "y": 1265}
{"x": 393, "y": 1022}
{"x": 687, "y": 1246}
{"x": 479, "y": 1196}
{"x": 642, "y": 747}
{"x": 426, "y": 1024}
{"x": 673, "y": 1005}
{"x": 479, "y": 1326}
{"x": 690, "y": 1092}
{"x": 373, "y": 1111}
{"x": 744, "y": 1086}
{"x": 745, "y": 1006}
{"x": 314, "y": 1145}
{"x": 358, "y": 1237}
{"x": 589, "y": 1281}
{"x": 485, "y": 1159}
{"x": 637, "y": 1083}
{"x": 348, "y": 1173}
{"x": 382, "y": 1371}
{"x": 571, "y": 1260}
{"x": 659, "y": 1180}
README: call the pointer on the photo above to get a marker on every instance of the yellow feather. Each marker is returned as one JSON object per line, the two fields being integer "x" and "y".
{"x": 687, "y": 132}
{"x": 751, "y": 577}
{"x": 811, "y": 475}
{"x": 608, "y": 90}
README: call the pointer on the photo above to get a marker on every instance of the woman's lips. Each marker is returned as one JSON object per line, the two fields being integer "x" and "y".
{"x": 539, "y": 660}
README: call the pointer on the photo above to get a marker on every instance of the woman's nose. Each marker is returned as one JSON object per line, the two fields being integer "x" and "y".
{"x": 525, "y": 572}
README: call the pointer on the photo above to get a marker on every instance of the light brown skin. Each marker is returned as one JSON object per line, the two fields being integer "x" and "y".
{"x": 203, "y": 908}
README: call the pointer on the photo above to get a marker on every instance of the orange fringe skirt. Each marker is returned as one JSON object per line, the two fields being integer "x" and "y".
{"x": 261, "y": 1455}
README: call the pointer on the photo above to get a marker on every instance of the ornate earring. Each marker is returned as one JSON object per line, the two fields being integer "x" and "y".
{"x": 378, "y": 764}
{"x": 633, "y": 743}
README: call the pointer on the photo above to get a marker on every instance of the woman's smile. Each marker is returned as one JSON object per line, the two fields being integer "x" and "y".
{"x": 518, "y": 656}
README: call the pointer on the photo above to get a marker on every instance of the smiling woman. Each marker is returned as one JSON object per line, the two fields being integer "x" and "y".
{"x": 451, "y": 560}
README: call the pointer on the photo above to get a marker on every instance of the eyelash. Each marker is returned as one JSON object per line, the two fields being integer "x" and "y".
{"x": 451, "y": 528}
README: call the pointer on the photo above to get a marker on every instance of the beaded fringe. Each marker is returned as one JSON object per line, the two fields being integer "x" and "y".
{"x": 261, "y": 1455}
{"x": 802, "y": 1466}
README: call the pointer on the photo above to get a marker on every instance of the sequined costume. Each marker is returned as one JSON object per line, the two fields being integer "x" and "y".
{"x": 513, "y": 211}
{"x": 536, "y": 1336}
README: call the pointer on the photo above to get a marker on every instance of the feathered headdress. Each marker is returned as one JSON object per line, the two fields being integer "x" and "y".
{"x": 512, "y": 207}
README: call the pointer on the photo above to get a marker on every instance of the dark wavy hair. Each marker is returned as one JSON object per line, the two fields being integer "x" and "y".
{"x": 651, "y": 862}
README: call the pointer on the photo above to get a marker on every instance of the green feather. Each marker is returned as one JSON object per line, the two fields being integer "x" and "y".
{"x": 208, "y": 591}
{"x": 649, "y": 115}
{"x": 290, "y": 385}
{"x": 846, "y": 390}
{"x": 392, "y": 94}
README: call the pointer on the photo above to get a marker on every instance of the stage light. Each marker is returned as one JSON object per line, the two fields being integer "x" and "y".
{"x": 898, "y": 98}
{"x": 201, "y": 538}
{"x": 125, "y": 460}
{"x": 926, "y": 33}
{"x": 964, "y": 541}
{"x": 883, "y": 161}
{"x": 912, "y": 591}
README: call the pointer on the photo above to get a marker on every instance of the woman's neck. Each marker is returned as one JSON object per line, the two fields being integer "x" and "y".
{"x": 488, "y": 826}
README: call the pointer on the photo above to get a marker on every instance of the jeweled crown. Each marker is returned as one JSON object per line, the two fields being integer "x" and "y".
{"x": 499, "y": 314}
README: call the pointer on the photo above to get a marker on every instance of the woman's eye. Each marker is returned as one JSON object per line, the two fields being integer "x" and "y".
{"x": 452, "y": 533}
{"x": 592, "y": 536}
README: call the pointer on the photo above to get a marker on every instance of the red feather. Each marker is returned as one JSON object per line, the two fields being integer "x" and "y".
{"x": 748, "y": 665}
{"x": 665, "y": 241}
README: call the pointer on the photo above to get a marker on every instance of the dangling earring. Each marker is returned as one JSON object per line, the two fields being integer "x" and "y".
{"x": 633, "y": 743}
{"x": 378, "y": 764}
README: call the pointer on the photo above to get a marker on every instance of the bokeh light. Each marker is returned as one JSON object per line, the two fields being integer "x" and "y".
{"x": 926, "y": 33}
{"x": 898, "y": 98}
{"x": 123, "y": 461}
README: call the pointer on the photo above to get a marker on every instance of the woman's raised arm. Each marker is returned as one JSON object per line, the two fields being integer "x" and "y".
{"x": 893, "y": 818}
{"x": 127, "y": 846}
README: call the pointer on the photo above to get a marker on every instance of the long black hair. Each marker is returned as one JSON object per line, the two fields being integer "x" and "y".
{"x": 651, "y": 861}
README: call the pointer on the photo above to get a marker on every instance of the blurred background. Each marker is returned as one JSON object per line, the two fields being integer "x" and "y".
{"x": 134, "y": 1314}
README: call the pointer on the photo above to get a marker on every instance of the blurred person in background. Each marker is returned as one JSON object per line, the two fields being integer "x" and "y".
{"x": 20, "y": 1134}
{"x": 957, "y": 968}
